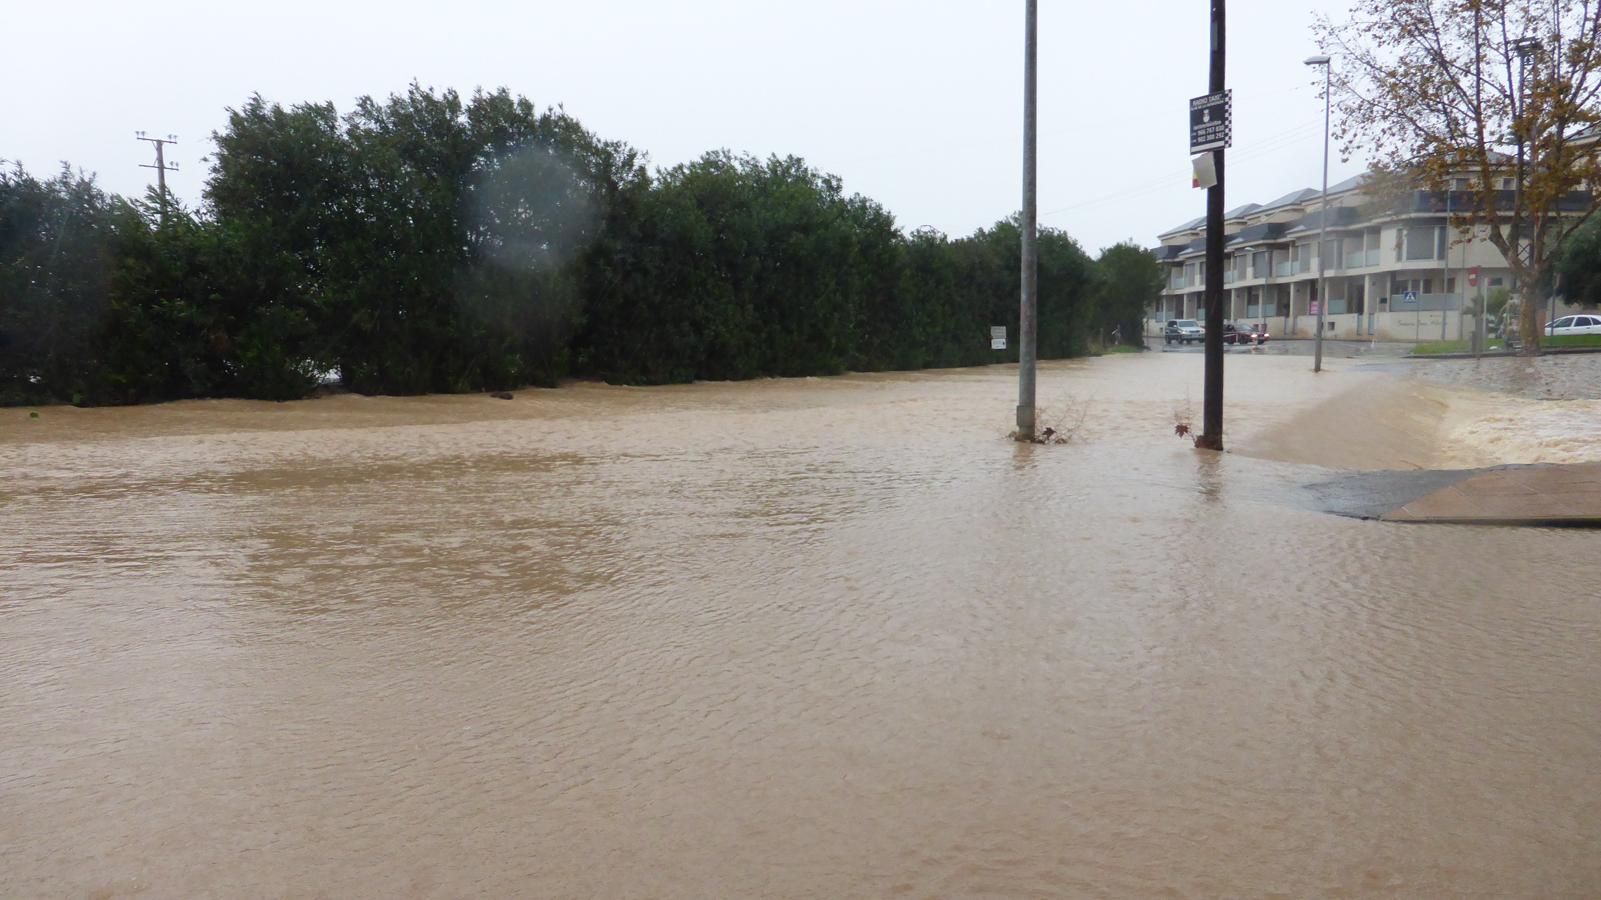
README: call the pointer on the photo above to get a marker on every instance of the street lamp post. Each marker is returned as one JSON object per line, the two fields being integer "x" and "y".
{"x": 1323, "y": 218}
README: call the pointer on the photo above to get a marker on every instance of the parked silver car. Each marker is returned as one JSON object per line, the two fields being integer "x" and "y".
{"x": 1183, "y": 331}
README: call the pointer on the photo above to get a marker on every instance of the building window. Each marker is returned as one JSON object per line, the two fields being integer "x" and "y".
{"x": 1506, "y": 184}
{"x": 1422, "y": 243}
{"x": 1404, "y": 285}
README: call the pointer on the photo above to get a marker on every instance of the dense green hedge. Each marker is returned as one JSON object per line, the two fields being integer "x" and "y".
{"x": 435, "y": 243}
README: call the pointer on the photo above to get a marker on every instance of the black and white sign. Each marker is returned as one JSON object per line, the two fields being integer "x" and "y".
{"x": 998, "y": 337}
{"x": 1212, "y": 122}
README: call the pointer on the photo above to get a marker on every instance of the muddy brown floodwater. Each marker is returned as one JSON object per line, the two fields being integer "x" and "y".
{"x": 810, "y": 638}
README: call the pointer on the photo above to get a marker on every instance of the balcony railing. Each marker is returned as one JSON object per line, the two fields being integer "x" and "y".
{"x": 1283, "y": 269}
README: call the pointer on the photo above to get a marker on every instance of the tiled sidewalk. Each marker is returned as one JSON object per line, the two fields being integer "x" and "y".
{"x": 1568, "y": 495}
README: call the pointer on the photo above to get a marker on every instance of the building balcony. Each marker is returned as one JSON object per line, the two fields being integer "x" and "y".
{"x": 1414, "y": 264}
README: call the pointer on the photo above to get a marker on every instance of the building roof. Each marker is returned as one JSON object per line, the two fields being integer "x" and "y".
{"x": 1193, "y": 223}
{"x": 1339, "y": 217}
{"x": 1240, "y": 211}
{"x": 1266, "y": 232}
{"x": 1167, "y": 252}
{"x": 1291, "y": 199}
{"x": 1350, "y": 184}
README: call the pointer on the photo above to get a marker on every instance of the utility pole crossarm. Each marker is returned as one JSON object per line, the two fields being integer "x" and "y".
{"x": 161, "y": 167}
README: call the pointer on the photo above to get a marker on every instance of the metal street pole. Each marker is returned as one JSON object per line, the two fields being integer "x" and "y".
{"x": 1323, "y": 218}
{"x": 1462, "y": 289}
{"x": 1028, "y": 315}
{"x": 1524, "y": 47}
{"x": 1484, "y": 176}
{"x": 1444, "y": 253}
{"x": 1484, "y": 338}
{"x": 1555, "y": 290}
{"x": 1212, "y": 410}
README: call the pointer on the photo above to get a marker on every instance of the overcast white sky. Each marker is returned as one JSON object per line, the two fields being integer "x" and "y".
{"x": 916, "y": 103}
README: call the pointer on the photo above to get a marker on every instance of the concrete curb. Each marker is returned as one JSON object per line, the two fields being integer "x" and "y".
{"x": 1553, "y": 351}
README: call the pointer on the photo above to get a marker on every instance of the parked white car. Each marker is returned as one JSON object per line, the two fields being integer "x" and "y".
{"x": 1585, "y": 324}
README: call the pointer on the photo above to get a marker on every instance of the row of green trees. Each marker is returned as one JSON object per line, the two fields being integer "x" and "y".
{"x": 432, "y": 242}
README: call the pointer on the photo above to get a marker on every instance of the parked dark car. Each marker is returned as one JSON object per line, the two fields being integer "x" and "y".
{"x": 1244, "y": 334}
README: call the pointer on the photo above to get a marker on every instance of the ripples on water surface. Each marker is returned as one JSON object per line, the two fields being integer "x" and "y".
{"x": 809, "y": 638}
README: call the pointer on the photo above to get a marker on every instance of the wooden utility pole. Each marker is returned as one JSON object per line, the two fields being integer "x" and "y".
{"x": 1212, "y": 412}
{"x": 161, "y": 168}
{"x": 1029, "y": 314}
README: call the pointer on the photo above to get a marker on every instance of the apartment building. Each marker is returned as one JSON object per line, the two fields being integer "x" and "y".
{"x": 1393, "y": 268}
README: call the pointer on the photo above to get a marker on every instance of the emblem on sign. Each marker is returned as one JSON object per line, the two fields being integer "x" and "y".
{"x": 1212, "y": 122}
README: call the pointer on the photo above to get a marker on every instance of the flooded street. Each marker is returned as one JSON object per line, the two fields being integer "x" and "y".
{"x": 802, "y": 638}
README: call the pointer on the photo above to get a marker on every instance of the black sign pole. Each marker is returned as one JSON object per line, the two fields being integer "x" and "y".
{"x": 1212, "y": 412}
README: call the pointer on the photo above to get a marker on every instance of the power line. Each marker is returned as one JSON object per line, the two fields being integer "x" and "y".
{"x": 1266, "y": 146}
